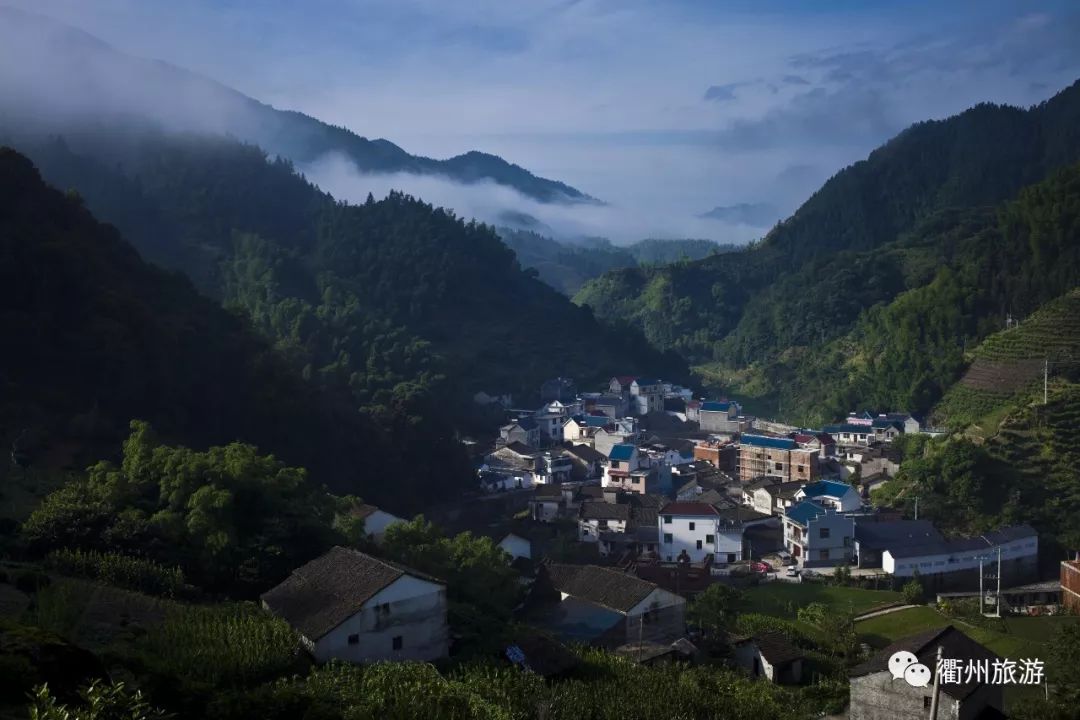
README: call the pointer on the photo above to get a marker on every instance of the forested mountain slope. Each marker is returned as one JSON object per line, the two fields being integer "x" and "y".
{"x": 95, "y": 336}
{"x": 957, "y": 278}
{"x": 809, "y": 279}
{"x": 57, "y": 78}
{"x": 566, "y": 266}
{"x": 391, "y": 298}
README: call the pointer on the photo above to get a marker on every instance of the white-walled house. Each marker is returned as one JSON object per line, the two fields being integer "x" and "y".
{"x": 516, "y": 546}
{"x": 375, "y": 520}
{"x": 836, "y": 495}
{"x": 696, "y": 531}
{"x": 647, "y": 396}
{"x": 347, "y": 605}
{"x": 818, "y": 536}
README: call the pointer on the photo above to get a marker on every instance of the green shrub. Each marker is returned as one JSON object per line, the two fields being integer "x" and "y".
{"x": 132, "y": 573}
{"x": 100, "y": 701}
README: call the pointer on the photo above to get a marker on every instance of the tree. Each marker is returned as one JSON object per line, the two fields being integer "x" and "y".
{"x": 715, "y": 609}
{"x": 476, "y": 570}
{"x": 912, "y": 591}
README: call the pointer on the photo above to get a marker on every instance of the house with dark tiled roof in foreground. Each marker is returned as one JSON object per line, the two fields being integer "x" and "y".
{"x": 604, "y": 607}
{"x": 347, "y": 605}
{"x": 877, "y": 695}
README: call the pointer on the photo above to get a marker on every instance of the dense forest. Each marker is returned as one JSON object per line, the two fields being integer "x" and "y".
{"x": 567, "y": 266}
{"x": 96, "y": 336}
{"x": 846, "y": 250}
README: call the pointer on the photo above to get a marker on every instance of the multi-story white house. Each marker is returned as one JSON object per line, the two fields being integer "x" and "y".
{"x": 695, "y": 531}
{"x": 836, "y": 495}
{"x": 817, "y": 536}
{"x": 347, "y": 605}
{"x": 646, "y": 396}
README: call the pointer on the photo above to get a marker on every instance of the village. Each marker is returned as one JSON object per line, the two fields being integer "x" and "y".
{"x": 620, "y": 508}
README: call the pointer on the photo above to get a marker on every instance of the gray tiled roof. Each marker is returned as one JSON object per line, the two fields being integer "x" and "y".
{"x": 602, "y": 586}
{"x": 319, "y": 596}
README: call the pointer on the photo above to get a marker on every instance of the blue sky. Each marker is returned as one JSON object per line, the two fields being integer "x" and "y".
{"x": 665, "y": 109}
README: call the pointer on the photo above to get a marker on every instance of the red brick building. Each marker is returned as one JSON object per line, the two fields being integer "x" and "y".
{"x": 1070, "y": 586}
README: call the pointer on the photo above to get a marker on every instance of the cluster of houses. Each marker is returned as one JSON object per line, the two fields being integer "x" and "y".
{"x": 658, "y": 516}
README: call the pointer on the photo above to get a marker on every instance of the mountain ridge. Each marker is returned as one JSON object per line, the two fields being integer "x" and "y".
{"x": 198, "y": 103}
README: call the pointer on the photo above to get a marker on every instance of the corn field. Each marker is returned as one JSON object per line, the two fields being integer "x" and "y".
{"x": 124, "y": 571}
{"x": 225, "y": 645}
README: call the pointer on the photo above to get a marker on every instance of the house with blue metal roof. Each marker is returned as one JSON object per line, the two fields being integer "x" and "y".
{"x": 817, "y": 535}
{"x": 838, "y": 495}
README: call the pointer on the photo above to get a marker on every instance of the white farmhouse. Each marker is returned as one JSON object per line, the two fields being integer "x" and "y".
{"x": 697, "y": 532}
{"x": 375, "y": 520}
{"x": 348, "y": 605}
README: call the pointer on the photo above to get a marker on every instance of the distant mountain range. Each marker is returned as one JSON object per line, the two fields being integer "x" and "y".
{"x": 54, "y": 77}
{"x": 566, "y": 266}
{"x": 754, "y": 214}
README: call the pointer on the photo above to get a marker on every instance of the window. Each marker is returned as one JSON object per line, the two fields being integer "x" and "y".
{"x": 710, "y": 539}
{"x": 354, "y": 639}
{"x": 603, "y": 523}
{"x": 927, "y": 702}
{"x": 779, "y": 466}
{"x": 802, "y": 468}
{"x": 398, "y": 642}
{"x": 731, "y": 557}
{"x": 667, "y": 538}
{"x": 667, "y": 519}
{"x": 823, "y": 533}
{"x": 823, "y": 554}
{"x": 637, "y": 481}
{"x": 691, "y": 526}
{"x": 698, "y": 544}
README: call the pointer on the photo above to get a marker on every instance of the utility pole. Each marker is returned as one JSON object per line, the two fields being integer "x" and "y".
{"x": 981, "y": 598}
{"x": 998, "y": 597}
{"x": 937, "y": 686}
{"x": 916, "y": 507}
{"x": 1046, "y": 377}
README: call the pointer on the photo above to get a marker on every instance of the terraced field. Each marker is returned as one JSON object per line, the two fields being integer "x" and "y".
{"x": 1009, "y": 365}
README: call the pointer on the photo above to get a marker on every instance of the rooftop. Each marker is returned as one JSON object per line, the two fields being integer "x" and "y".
{"x": 776, "y": 443}
{"x": 622, "y": 451}
{"x": 924, "y": 645}
{"x": 804, "y": 512}
{"x": 694, "y": 509}
{"x": 827, "y": 488}
{"x": 319, "y": 596}
{"x": 603, "y": 586}
{"x": 714, "y": 406}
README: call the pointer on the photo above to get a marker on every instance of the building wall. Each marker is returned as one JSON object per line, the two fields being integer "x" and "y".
{"x": 786, "y": 465}
{"x": 660, "y": 617}
{"x": 417, "y": 614}
{"x": 516, "y": 547}
{"x": 377, "y": 522}
{"x": 544, "y": 511}
{"x": 721, "y": 422}
{"x": 879, "y": 697}
{"x": 958, "y": 562}
{"x": 839, "y": 543}
{"x": 683, "y": 538}
{"x": 1070, "y": 586}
